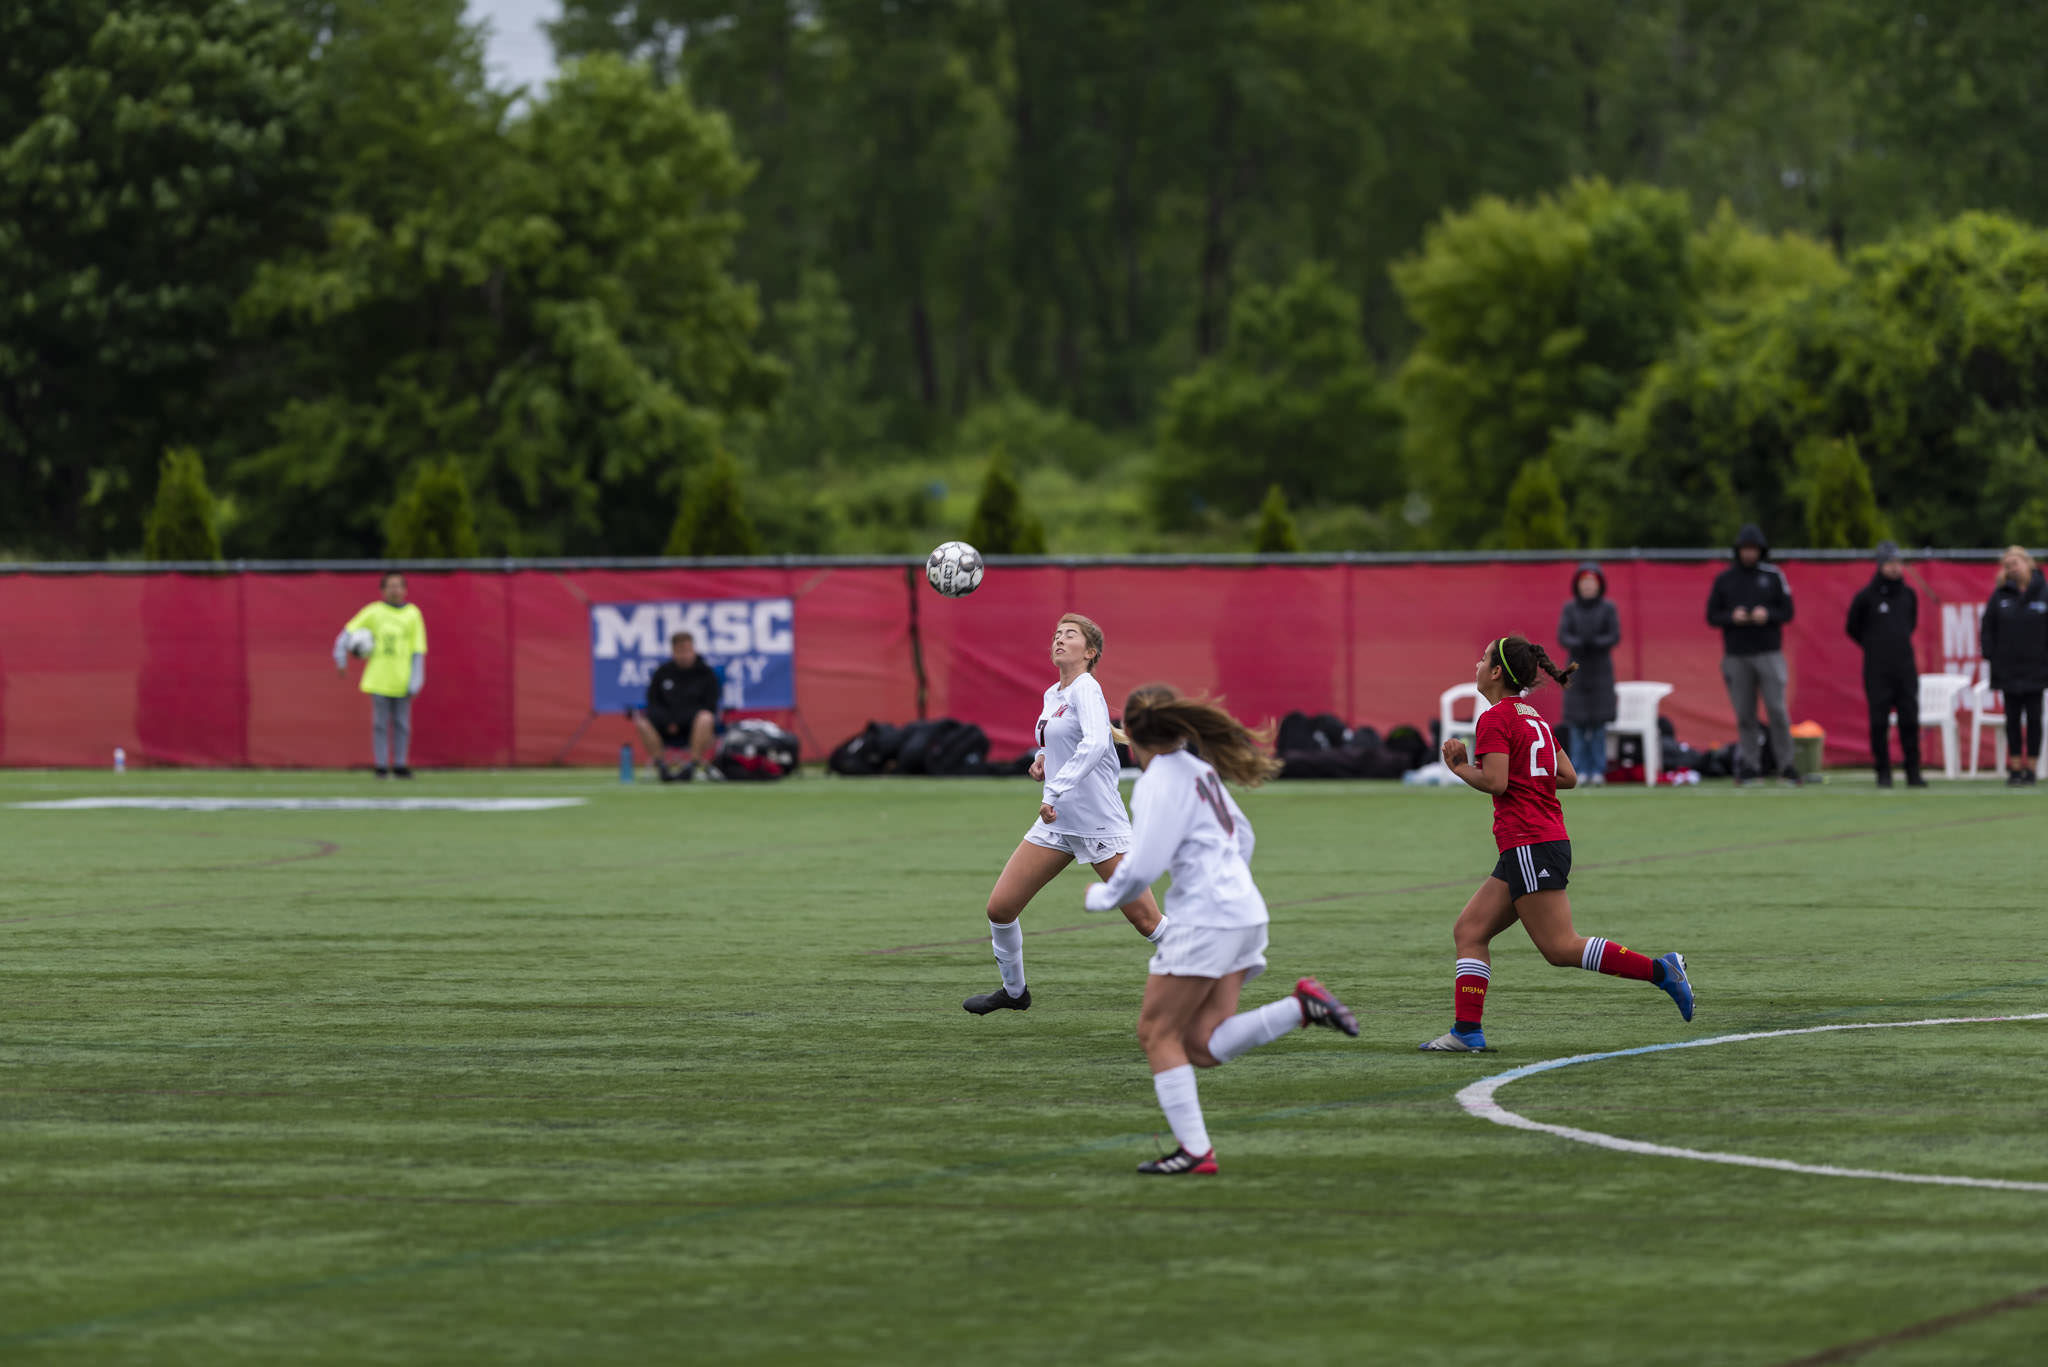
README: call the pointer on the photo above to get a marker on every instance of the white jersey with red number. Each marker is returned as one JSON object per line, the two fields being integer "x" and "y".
{"x": 1186, "y": 823}
{"x": 1081, "y": 767}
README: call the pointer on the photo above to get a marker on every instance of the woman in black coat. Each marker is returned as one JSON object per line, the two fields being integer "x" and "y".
{"x": 2015, "y": 641}
{"x": 1589, "y": 628}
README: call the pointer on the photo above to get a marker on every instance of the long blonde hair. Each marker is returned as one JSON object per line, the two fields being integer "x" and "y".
{"x": 1160, "y": 719}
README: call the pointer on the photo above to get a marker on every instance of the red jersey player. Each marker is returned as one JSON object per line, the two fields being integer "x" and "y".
{"x": 1522, "y": 766}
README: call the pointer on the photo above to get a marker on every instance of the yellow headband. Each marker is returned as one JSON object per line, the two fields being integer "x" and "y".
{"x": 1501, "y": 654}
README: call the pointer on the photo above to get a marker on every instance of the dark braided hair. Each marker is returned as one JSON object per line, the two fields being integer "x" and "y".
{"x": 1523, "y": 663}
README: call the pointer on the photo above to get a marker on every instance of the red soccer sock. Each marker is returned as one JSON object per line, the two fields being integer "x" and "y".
{"x": 1605, "y": 956}
{"x": 1469, "y": 1000}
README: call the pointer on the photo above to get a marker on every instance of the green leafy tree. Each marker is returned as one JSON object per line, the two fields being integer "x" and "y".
{"x": 434, "y": 519}
{"x": 1841, "y": 509}
{"x": 1928, "y": 353}
{"x": 1001, "y": 524}
{"x": 1275, "y": 533}
{"x": 713, "y": 518}
{"x": 1531, "y": 316}
{"x": 1535, "y": 517}
{"x": 544, "y": 290}
{"x": 1292, "y": 401}
{"x": 182, "y": 522}
{"x": 2028, "y": 526}
{"x": 824, "y": 417}
{"x": 151, "y": 152}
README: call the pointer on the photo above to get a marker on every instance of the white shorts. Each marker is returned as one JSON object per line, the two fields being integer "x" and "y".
{"x": 1084, "y": 848}
{"x": 1210, "y": 951}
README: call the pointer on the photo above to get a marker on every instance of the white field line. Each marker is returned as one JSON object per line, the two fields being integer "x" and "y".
{"x": 1478, "y": 1099}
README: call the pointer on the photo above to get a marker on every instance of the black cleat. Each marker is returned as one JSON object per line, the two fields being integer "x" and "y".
{"x": 1181, "y": 1163}
{"x": 401, "y": 772}
{"x": 998, "y": 1000}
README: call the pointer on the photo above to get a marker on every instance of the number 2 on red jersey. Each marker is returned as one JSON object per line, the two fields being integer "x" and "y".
{"x": 1543, "y": 740}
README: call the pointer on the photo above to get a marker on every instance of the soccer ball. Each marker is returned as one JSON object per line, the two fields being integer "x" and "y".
{"x": 954, "y": 569}
{"x": 361, "y": 643}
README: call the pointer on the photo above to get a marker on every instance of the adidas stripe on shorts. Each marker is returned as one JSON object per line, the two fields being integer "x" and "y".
{"x": 1544, "y": 867}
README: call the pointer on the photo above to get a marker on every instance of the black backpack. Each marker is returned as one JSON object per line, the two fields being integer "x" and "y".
{"x": 959, "y": 752}
{"x": 920, "y": 738}
{"x": 870, "y": 752}
{"x": 1300, "y": 731}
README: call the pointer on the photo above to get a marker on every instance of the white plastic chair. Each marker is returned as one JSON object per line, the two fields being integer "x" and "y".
{"x": 1635, "y": 714}
{"x": 1447, "y": 712}
{"x": 1983, "y": 699}
{"x": 1940, "y": 696}
{"x": 1981, "y": 718}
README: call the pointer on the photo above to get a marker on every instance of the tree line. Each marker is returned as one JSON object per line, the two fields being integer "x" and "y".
{"x": 799, "y": 276}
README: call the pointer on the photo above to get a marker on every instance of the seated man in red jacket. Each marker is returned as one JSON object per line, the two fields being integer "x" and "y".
{"x": 681, "y": 713}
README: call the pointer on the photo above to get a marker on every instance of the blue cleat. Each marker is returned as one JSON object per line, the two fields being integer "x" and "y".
{"x": 1451, "y": 1042}
{"x": 1676, "y": 984}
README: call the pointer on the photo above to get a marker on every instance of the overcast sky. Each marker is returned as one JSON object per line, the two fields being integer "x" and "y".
{"x": 519, "y": 54}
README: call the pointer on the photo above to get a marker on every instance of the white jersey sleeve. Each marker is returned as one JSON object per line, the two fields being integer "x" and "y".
{"x": 1093, "y": 711}
{"x": 1160, "y": 816}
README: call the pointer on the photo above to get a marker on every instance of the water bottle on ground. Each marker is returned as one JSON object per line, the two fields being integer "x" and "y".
{"x": 626, "y": 763}
{"x": 120, "y": 760}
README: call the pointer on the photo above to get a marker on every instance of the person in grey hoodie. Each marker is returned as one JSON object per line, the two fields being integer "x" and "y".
{"x": 1589, "y": 628}
{"x": 1750, "y": 603}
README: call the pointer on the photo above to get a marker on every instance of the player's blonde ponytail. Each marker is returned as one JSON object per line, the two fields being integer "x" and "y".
{"x": 1160, "y": 719}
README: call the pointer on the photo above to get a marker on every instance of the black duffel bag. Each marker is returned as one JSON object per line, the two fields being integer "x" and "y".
{"x": 961, "y": 752}
{"x": 870, "y": 752}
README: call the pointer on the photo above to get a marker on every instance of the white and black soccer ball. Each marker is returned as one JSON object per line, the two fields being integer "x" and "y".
{"x": 361, "y": 643}
{"x": 954, "y": 569}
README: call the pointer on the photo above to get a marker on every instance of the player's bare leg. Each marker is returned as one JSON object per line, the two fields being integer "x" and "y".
{"x": 1172, "y": 1007}
{"x": 1143, "y": 914}
{"x": 1029, "y": 869}
{"x": 1189, "y": 1023}
{"x": 1491, "y": 910}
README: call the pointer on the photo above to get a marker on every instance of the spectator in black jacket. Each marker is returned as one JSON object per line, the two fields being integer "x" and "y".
{"x": 682, "y": 712}
{"x": 2015, "y": 641}
{"x": 1589, "y": 628}
{"x": 1751, "y": 602}
{"x": 1881, "y": 620}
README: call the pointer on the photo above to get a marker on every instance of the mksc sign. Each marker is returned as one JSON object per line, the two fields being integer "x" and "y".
{"x": 750, "y": 641}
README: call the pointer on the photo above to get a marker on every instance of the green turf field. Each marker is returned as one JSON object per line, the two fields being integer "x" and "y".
{"x": 680, "y": 1075}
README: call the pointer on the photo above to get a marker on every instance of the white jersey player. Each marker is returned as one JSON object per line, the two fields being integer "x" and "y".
{"x": 1188, "y": 824}
{"x": 1080, "y": 815}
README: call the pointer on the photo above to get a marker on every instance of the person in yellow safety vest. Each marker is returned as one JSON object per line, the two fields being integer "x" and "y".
{"x": 392, "y": 637}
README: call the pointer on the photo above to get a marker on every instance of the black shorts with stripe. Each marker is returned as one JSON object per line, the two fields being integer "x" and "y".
{"x": 1543, "y": 867}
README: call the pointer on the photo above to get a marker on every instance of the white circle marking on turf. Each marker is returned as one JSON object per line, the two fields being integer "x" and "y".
{"x": 1478, "y": 1100}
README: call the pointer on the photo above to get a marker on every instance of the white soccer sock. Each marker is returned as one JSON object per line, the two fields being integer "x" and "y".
{"x": 1176, "y": 1088}
{"x": 1250, "y": 1029}
{"x": 1008, "y": 940}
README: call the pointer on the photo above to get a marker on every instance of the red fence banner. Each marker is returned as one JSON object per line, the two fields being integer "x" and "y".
{"x": 234, "y": 668}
